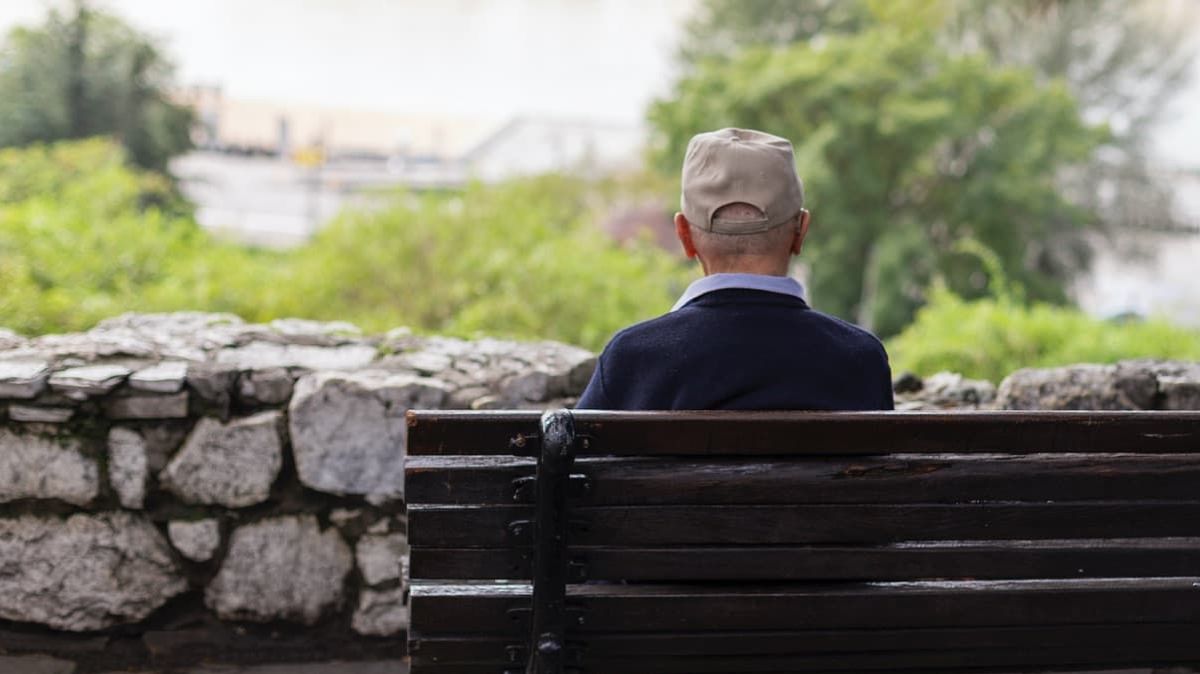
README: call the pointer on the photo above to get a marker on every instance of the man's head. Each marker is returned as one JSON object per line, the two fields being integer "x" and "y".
{"x": 742, "y": 202}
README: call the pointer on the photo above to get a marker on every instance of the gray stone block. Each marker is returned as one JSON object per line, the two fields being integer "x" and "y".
{"x": 80, "y": 383}
{"x": 232, "y": 464}
{"x": 380, "y": 557}
{"x": 46, "y": 467}
{"x": 197, "y": 540}
{"x": 284, "y": 568}
{"x": 87, "y": 572}
{"x": 381, "y": 613}
{"x": 1078, "y": 387}
{"x": 348, "y": 430}
{"x": 166, "y": 377}
{"x": 23, "y": 379}
{"x": 947, "y": 390}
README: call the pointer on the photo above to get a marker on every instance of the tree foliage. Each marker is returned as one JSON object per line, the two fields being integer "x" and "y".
{"x": 84, "y": 237}
{"x": 76, "y": 239}
{"x": 722, "y": 28}
{"x": 90, "y": 74}
{"x": 1123, "y": 60}
{"x": 906, "y": 149}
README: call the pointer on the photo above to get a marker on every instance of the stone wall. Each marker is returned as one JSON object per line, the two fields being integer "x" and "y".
{"x": 1128, "y": 385}
{"x": 187, "y": 489}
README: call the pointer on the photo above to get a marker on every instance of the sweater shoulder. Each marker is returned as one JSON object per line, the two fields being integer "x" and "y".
{"x": 865, "y": 338}
{"x": 649, "y": 330}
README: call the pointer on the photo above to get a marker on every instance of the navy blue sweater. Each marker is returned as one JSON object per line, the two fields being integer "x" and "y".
{"x": 740, "y": 349}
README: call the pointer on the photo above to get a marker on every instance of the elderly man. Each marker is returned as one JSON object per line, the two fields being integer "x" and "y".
{"x": 742, "y": 337}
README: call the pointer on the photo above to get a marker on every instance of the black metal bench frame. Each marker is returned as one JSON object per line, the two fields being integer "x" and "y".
{"x": 547, "y": 644}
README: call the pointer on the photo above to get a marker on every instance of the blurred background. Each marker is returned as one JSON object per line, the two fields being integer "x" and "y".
{"x": 994, "y": 184}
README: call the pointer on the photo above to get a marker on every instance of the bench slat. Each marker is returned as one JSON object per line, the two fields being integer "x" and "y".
{"x": 927, "y": 478}
{"x": 812, "y": 433}
{"x": 950, "y": 659}
{"x": 484, "y": 608}
{"x": 475, "y": 647}
{"x": 628, "y": 526}
{"x": 1151, "y": 557}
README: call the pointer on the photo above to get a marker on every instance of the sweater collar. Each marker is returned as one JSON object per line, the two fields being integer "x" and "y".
{"x": 784, "y": 285}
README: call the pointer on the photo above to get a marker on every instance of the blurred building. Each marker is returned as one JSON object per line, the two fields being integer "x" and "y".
{"x": 269, "y": 172}
{"x": 531, "y": 145}
{"x": 1149, "y": 270}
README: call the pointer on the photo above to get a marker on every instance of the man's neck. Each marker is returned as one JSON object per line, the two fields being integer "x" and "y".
{"x": 762, "y": 268}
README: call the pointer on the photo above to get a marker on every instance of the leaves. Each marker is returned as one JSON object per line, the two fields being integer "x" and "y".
{"x": 905, "y": 149}
{"x": 79, "y": 243}
{"x": 989, "y": 338}
{"x": 90, "y": 74}
{"x": 521, "y": 259}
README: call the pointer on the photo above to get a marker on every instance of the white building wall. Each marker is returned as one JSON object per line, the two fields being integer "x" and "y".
{"x": 1164, "y": 282}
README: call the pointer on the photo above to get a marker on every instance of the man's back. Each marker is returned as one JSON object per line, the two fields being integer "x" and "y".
{"x": 742, "y": 349}
{"x": 741, "y": 337}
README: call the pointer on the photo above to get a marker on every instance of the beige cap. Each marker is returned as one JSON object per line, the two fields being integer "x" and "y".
{"x": 740, "y": 165}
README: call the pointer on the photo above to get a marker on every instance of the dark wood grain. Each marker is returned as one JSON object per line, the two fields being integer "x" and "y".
{"x": 1061, "y": 539}
{"x": 949, "y": 659}
{"x": 455, "y": 608}
{"x": 630, "y": 526}
{"x": 927, "y": 478}
{"x": 813, "y": 433}
{"x": 1150, "y": 557}
{"x": 434, "y": 432}
{"x": 477, "y": 647}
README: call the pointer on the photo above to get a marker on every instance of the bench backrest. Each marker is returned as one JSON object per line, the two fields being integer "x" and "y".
{"x": 802, "y": 541}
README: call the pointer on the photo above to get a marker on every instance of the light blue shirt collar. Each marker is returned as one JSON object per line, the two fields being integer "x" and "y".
{"x": 783, "y": 285}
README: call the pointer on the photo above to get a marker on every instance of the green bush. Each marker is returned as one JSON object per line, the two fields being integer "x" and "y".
{"x": 989, "y": 338}
{"x": 84, "y": 237}
{"x": 521, "y": 259}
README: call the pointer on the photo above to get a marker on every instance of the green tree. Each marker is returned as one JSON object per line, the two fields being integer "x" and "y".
{"x": 90, "y": 74}
{"x": 906, "y": 149}
{"x": 722, "y": 28}
{"x": 1123, "y": 60}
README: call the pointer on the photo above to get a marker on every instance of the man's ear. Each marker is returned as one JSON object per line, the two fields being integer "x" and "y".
{"x": 683, "y": 230}
{"x": 801, "y": 232}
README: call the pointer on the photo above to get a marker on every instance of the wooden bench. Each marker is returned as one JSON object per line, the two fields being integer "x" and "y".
{"x": 685, "y": 542}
